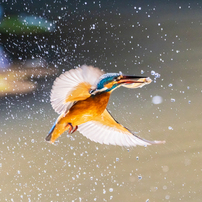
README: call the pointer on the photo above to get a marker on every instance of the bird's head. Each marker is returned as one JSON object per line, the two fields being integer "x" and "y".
{"x": 110, "y": 81}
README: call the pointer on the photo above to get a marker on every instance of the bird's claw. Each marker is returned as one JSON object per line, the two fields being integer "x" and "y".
{"x": 71, "y": 128}
{"x": 74, "y": 129}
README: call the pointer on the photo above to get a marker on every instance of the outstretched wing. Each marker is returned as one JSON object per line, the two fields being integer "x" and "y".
{"x": 72, "y": 86}
{"x": 106, "y": 130}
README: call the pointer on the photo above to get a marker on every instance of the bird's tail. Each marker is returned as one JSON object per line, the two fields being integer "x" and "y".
{"x": 56, "y": 130}
{"x": 50, "y": 134}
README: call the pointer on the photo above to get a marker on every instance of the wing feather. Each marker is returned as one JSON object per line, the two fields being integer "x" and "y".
{"x": 106, "y": 130}
{"x": 73, "y": 85}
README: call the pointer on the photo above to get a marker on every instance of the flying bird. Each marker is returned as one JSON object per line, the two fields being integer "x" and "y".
{"x": 80, "y": 97}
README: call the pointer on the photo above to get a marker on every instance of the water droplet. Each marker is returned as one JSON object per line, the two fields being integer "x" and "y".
{"x": 139, "y": 177}
{"x": 172, "y": 100}
{"x": 117, "y": 159}
{"x": 170, "y": 85}
{"x": 170, "y": 128}
{"x": 157, "y": 100}
{"x": 111, "y": 189}
{"x": 92, "y": 26}
{"x": 157, "y": 75}
{"x": 167, "y": 196}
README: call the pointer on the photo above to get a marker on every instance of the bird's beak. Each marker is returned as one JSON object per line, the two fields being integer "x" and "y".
{"x": 134, "y": 81}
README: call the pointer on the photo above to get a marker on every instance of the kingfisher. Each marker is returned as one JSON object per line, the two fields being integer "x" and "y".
{"x": 80, "y": 97}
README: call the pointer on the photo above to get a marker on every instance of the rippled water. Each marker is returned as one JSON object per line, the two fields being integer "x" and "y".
{"x": 165, "y": 39}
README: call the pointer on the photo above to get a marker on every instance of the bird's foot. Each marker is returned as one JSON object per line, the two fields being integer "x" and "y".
{"x": 71, "y": 128}
{"x": 74, "y": 129}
